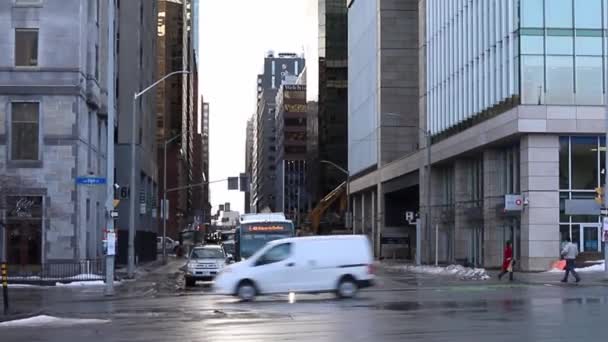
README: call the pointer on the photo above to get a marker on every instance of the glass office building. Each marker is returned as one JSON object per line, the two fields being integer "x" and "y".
{"x": 486, "y": 54}
{"x": 512, "y": 93}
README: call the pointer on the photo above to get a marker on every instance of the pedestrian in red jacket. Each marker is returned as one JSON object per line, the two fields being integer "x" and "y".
{"x": 507, "y": 262}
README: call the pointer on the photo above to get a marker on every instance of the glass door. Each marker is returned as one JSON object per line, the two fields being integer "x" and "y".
{"x": 590, "y": 238}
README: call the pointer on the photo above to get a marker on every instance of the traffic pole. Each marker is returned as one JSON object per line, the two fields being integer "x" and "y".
{"x": 4, "y": 271}
{"x": 109, "y": 289}
{"x": 605, "y": 184}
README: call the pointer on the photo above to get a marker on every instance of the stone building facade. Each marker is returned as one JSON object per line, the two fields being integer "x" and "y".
{"x": 52, "y": 129}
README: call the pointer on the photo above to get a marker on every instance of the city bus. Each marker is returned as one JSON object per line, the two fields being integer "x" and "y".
{"x": 255, "y": 230}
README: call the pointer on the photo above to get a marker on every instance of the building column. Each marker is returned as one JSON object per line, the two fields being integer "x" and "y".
{"x": 493, "y": 199}
{"x": 461, "y": 234}
{"x": 363, "y": 216}
{"x": 539, "y": 174}
{"x": 374, "y": 223}
{"x": 379, "y": 217}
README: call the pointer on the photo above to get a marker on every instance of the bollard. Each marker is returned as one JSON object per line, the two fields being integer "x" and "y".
{"x": 4, "y": 273}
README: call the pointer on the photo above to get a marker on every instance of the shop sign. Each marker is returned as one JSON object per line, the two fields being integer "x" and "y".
{"x": 24, "y": 206}
{"x": 514, "y": 202}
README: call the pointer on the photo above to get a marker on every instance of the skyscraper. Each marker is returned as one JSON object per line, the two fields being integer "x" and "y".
{"x": 276, "y": 69}
{"x": 333, "y": 93}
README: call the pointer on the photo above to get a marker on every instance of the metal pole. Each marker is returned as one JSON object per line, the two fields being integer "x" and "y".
{"x": 165, "y": 209}
{"x": 349, "y": 216}
{"x": 436, "y": 245}
{"x": 109, "y": 290}
{"x": 606, "y": 180}
{"x": 132, "y": 192}
{"x": 428, "y": 194}
{"x": 418, "y": 239}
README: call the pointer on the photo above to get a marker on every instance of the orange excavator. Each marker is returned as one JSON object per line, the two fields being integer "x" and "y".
{"x": 317, "y": 214}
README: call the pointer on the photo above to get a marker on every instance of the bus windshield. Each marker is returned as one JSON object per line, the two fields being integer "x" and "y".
{"x": 252, "y": 237}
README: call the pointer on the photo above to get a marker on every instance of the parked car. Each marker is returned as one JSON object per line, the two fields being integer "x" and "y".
{"x": 204, "y": 263}
{"x": 340, "y": 264}
{"x": 171, "y": 245}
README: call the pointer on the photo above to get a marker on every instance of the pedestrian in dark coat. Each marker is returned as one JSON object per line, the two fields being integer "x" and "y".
{"x": 507, "y": 261}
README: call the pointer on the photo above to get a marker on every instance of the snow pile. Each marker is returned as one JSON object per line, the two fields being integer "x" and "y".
{"x": 599, "y": 267}
{"x": 85, "y": 283}
{"x": 44, "y": 320}
{"x": 459, "y": 271}
{"x": 83, "y": 276}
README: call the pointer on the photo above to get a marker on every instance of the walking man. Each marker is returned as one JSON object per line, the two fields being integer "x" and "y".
{"x": 569, "y": 253}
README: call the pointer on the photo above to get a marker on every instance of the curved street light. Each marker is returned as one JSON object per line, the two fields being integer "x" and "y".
{"x": 132, "y": 197}
{"x": 347, "y": 173}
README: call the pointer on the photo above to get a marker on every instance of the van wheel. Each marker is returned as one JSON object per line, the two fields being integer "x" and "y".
{"x": 246, "y": 291}
{"x": 347, "y": 287}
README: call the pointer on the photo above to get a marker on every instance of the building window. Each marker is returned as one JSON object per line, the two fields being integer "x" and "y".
{"x": 588, "y": 14}
{"x": 559, "y": 13}
{"x": 26, "y": 47}
{"x": 25, "y": 131}
{"x": 273, "y": 82}
{"x": 560, "y": 80}
{"x": 273, "y": 68}
{"x": 532, "y": 13}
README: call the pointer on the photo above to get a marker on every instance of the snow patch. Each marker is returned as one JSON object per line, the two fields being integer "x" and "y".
{"x": 83, "y": 276}
{"x": 44, "y": 320}
{"x": 93, "y": 283}
{"x": 462, "y": 272}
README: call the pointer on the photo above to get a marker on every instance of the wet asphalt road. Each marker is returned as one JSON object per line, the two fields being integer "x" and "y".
{"x": 403, "y": 307}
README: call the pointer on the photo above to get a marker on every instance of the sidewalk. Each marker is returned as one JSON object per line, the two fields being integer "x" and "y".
{"x": 31, "y": 300}
{"x": 455, "y": 273}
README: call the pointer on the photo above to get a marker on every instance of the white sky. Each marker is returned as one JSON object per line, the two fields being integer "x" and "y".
{"x": 234, "y": 37}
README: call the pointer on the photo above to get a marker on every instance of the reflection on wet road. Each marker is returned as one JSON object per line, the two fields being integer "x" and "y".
{"x": 160, "y": 309}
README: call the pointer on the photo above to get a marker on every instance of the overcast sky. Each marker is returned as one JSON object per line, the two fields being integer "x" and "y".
{"x": 234, "y": 37}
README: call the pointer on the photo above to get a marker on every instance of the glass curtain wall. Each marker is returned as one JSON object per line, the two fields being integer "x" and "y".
{"x": 581, "y": 170}
{"x": 561, "y": 51}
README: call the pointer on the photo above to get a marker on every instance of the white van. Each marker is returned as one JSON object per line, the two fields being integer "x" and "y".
{"x": 341, "y": 264}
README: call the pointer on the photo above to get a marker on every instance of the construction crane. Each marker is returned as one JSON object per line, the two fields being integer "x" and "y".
{"x": 316, "y": 214}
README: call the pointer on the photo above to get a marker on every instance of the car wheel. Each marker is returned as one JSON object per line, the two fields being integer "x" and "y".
{"x": 190, "y": 282}
{"x": 347, "y": 287}
{"x": 246, "y": 291}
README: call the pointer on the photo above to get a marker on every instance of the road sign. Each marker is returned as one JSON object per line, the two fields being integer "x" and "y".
{"x": 124, "y": 192}
{"x": 111, "y": 243}
{"x": 233, "y": 183}
{"x": 87, "y": 180}
{"x": 113, "y": 214}
{"x": 604, "y": 212}
{"x": 514, "y": 202}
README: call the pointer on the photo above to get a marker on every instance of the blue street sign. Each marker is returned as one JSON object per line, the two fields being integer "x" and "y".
{"x": 90, "y": 180}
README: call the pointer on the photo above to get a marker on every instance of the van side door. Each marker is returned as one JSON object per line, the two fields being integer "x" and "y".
{"x": 273, "y": 270}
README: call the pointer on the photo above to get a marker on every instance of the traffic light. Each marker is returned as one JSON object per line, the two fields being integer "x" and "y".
{"x": 599, "y": 195}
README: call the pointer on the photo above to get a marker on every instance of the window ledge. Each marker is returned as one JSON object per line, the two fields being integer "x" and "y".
{"x": 31, "y": 3}
{"x": 27, "y": 68}
{"x": 24, "y": 164}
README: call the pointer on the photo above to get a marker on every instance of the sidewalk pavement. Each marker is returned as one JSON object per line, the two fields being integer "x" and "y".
{"x": 532, "y": 278}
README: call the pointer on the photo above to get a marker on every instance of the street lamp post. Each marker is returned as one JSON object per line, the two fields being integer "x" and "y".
{"x": 165, "y": 212}
{"x": 347, "y": 173}
{"x": 132, "y": 197}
